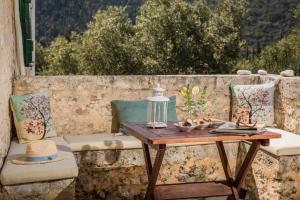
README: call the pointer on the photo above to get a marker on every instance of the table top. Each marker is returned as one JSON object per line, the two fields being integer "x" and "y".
{"x": 171, "y": 135}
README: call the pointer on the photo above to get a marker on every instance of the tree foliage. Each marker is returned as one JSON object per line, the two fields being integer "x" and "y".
{"x": 180, "y": 37}
{"x": 226, "y": 34}
{"x": 169, "y": 37}
{"x": 283, "y": 55}
{"x": 172, "y": 36}
{"x": 268, "y": 22}
{"x": 107, "y": 45}
{"x": 59, "y": 58}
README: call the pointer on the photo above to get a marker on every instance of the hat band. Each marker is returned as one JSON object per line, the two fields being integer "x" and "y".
{"x": 42, "y": 158}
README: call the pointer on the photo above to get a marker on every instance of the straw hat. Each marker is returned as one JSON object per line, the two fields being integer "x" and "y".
{"x": 39, "y": 152}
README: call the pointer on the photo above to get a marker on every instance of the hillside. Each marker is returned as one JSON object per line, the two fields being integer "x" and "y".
{"x": 60, "y": 17}
{"x": 268, "y": 21}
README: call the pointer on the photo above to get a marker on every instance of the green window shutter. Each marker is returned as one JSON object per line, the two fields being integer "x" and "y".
{"x": 26, "y": 31}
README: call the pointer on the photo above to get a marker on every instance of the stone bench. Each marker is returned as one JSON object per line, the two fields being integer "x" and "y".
{"x": 110, "y": 141}
{"x": 44, "y": 181}
{"x": 287, "y": 145}
{"x": 112, "y": 167}
{"x": 110, "y": 158}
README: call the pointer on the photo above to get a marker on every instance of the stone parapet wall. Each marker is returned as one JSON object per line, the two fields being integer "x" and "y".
{"x": 288, "y": 106}
{"x": 287, "y": 102}
{"x": 7, "y": 66}
{"x": 82, "y": 104}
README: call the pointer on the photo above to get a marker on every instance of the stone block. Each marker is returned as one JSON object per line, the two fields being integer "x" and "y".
{"x": 58, "y": 190}
{"x": 262, "y": 72}
{"x": 287, "y": 73}
{"x": 244, "y": 72}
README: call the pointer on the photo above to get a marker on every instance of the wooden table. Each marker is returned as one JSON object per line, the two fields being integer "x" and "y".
{"x": 158, "y": 138}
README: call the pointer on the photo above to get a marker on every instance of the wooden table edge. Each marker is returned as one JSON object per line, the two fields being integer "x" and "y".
{"x": 193, "y": 140}
{"x": 237, "y": 138}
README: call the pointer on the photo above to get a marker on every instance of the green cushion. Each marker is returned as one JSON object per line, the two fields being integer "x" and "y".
{"x": 136, "y": 110}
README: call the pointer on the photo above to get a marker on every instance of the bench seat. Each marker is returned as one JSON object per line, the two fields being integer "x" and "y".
{"x": 13, "y": 174}
{"x": 106, "y": 141}
{"x": 287, "y": 145}
{"x": 102, "y": 141}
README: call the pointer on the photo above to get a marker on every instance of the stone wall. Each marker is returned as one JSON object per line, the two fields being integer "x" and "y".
{"x": 288, "y": 106}
{"x": 121, "y": 174}
{"x": 82, "y": 104}
{"x": 271, "y": 177}
{"x": 7, "y": 66}
{"x": 287, "y": 102}
{"x": 48, "y": 190}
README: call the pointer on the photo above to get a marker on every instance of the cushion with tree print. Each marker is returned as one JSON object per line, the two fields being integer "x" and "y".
{"x": 32, "y": 117}
{"x": 253, "y": 103}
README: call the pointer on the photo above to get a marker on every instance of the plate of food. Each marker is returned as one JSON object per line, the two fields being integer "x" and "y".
{"x": 186, "y": 126}
{"x": 206, "y": 122}
{"x": 189, "y": 125}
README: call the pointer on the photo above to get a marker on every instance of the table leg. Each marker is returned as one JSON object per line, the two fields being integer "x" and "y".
{"x": 227, "y": 170}
{"x": 237, "y": 183}
{"x": 148, "y": 162}
{"x": 153, "y": 171}
{"x": 247, "y": 163}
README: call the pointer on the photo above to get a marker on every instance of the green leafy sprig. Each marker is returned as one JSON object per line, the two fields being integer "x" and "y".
{"x": 195, "y": 99}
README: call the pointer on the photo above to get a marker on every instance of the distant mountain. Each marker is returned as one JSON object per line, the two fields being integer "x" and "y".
{"x": 61, "y": 17}
{"x": 268, "y": 21}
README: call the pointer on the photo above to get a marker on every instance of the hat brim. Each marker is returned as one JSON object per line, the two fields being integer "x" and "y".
{"x": 22, "y": 160}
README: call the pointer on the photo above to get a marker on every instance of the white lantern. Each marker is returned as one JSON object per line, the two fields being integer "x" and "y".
{"x": 157, "y": 109}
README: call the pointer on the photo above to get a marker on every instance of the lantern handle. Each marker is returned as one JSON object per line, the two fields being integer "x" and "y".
{"x": 158, "y": 91}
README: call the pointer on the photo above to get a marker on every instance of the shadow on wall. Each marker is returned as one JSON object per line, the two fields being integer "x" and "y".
{"x": 115, "y": 124}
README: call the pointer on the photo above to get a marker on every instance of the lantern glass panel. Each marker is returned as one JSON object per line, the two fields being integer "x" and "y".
{"x": 157, "y": 114}
{"x": 157, "y": 109}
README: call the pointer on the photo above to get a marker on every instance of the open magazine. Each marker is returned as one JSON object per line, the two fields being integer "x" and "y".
{"x": 230, "y": 128}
